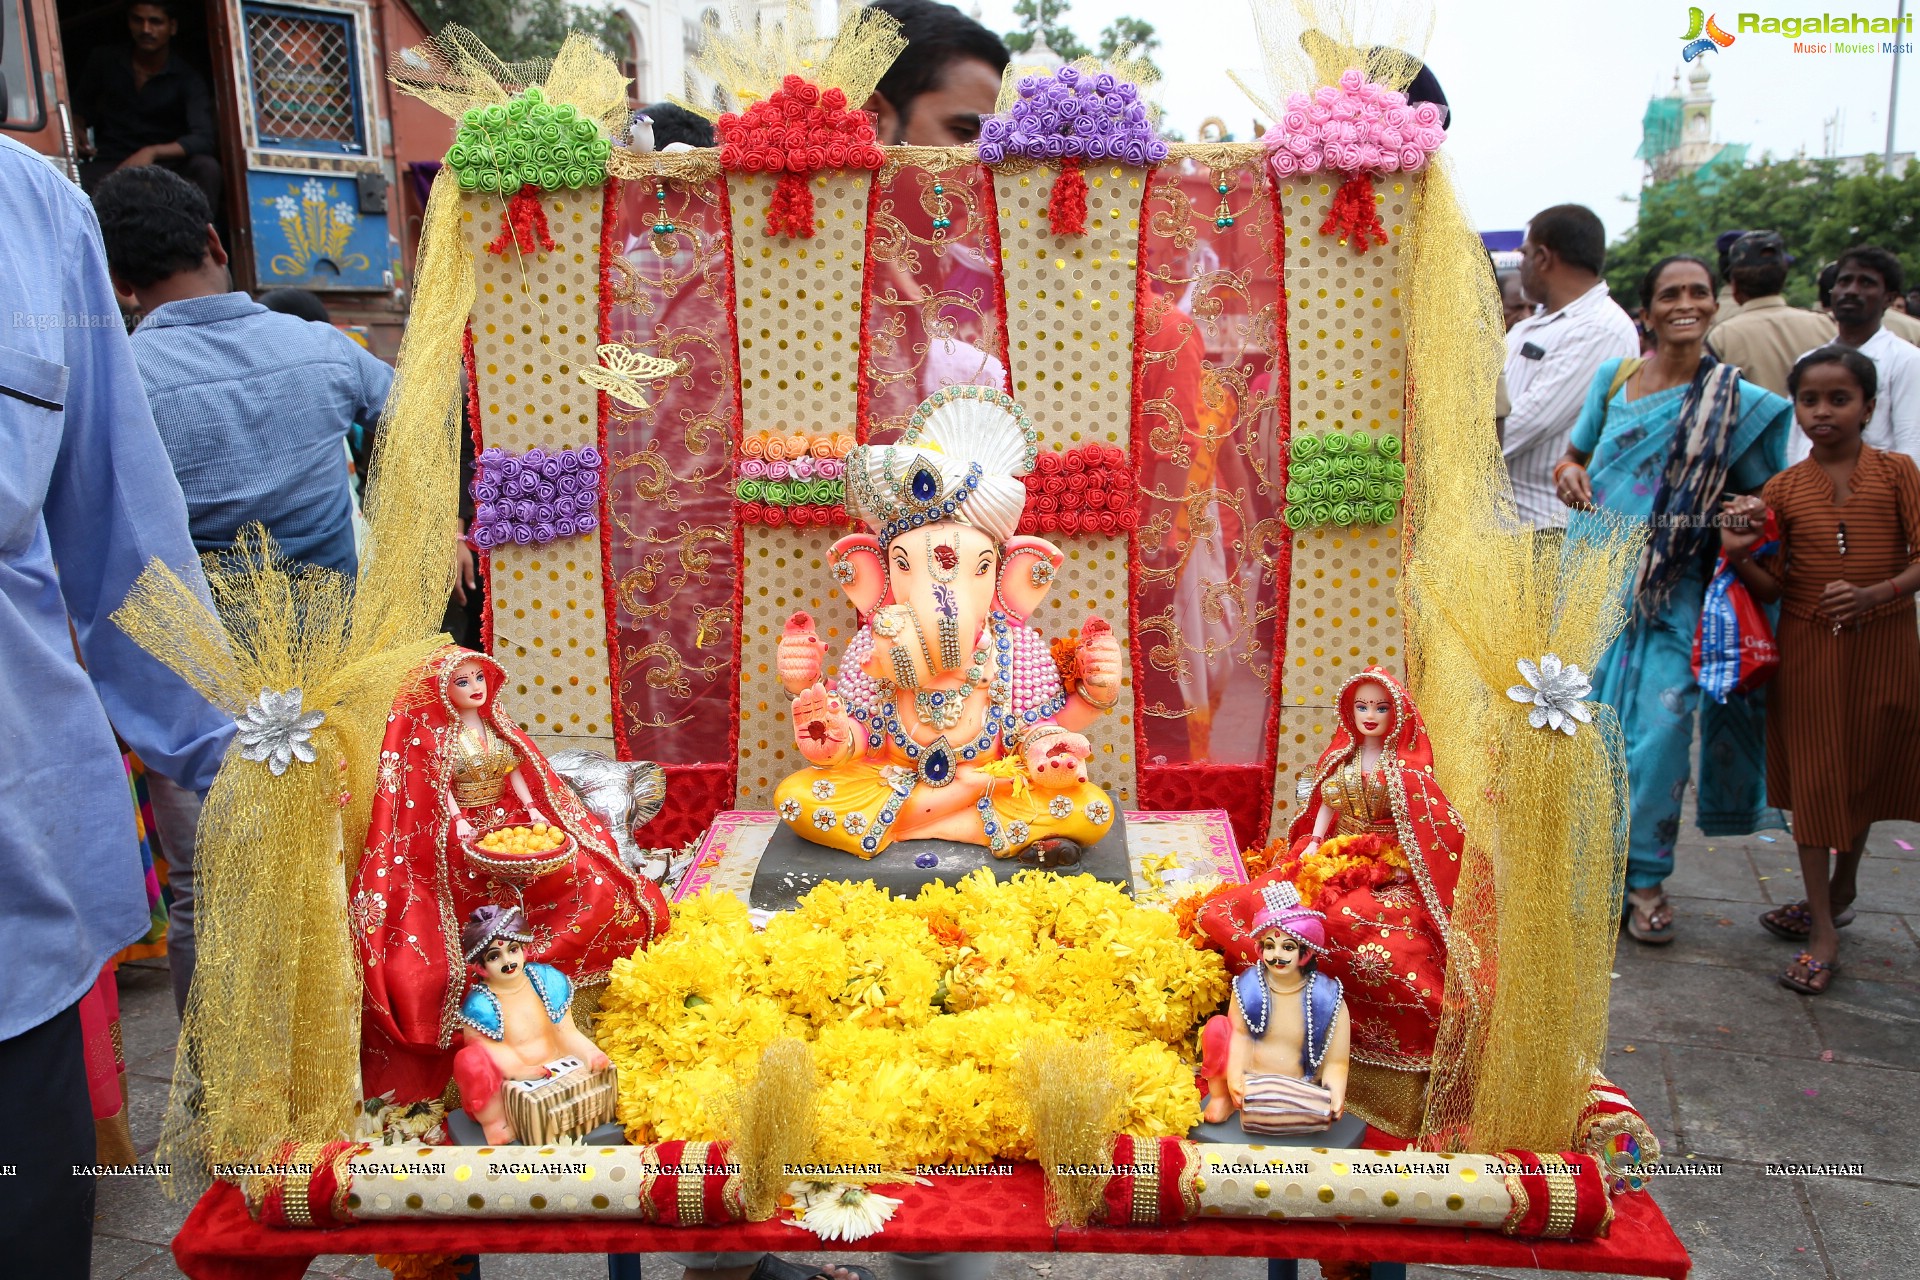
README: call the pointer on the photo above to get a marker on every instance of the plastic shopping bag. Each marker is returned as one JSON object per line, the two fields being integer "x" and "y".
{"x": 1733, "y": 649}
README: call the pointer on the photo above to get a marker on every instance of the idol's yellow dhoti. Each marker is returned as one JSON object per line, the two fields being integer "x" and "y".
{"x": 842, "y": 807}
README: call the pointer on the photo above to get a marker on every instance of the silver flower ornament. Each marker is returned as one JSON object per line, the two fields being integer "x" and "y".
{"x": 273, "y": 728}
{"x": 1557, "y": 693}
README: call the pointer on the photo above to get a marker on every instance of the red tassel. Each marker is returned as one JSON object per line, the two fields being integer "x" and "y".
{"x": 525, "y": 225}
{"x": 1067, "y": 207}
{"x": 1354, "y": 215}
{"x": 790, "y": 212}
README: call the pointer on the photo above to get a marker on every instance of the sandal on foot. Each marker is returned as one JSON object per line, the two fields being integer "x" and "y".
{"x": 1650, "y": 920}
{"x": 773, "y": 1267}
{"x": 1794, "y": 922}
{"x": 1808, "y": 976}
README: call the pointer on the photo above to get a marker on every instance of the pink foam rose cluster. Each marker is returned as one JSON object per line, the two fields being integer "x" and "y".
{"x": 1358, "y": 126}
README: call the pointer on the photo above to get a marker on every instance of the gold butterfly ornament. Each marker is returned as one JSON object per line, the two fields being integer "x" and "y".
{"x": 622, "y": 370}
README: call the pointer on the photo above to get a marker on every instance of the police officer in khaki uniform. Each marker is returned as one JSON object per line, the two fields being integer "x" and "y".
{"x": 1766, "y": 335}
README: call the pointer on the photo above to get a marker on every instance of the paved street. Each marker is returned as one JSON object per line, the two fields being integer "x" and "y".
{"x": 1728, "y": 1067}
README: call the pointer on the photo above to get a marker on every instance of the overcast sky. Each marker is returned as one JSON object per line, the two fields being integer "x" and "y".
{"x": 1547, "y": 96}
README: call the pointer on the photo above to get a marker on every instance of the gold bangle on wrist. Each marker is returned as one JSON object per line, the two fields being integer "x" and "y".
{"x": 1086, "y": 695}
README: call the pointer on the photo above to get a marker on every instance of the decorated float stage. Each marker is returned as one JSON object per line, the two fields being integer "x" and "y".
{"x": 1141, "y": 789}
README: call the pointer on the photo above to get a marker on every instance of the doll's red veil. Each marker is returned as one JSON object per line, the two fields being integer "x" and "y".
{"x": 413, "y": 887}
{"x": 1429, "y": 832}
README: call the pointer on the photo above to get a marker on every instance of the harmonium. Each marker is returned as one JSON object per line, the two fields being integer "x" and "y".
{"x": 567, "y": 1104}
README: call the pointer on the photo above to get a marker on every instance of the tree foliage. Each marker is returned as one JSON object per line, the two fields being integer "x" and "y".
{"x": 516, "y": 29}
{"x": 1817, "y": 211}
{"x": 1050, "y": 16}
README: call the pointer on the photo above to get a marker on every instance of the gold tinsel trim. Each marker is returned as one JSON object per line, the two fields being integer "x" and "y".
{"x": 1077, "y": 1097}
{"x": 750, "y": 54}
{"x": 774, "y": 1125}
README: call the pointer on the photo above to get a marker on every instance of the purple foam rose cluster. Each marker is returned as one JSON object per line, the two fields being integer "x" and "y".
{"x": 1076, "y": 113}
{"x": 536, "y": 496}
{"x": 1358, "y": 126}
{"x": 803, "y": 468}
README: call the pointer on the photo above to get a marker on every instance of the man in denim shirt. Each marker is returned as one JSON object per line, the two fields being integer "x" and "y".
{"x": 253, "y": 407}
{"x": 86, "y": 503}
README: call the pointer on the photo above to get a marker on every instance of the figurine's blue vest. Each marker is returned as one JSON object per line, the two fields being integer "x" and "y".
{"x": 1319, "y": 1001}
{"x": 481, "y": 1009}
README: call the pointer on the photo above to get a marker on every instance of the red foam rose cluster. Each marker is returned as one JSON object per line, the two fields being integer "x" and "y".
{"x": 799, "y": 128}
{"x": 1086, "y": 489}
{"x": 775, "y": 516}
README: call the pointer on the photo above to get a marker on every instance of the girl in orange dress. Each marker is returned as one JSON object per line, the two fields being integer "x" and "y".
{"x": 1376, "y": 850}
{"x": 1843, "y": 716}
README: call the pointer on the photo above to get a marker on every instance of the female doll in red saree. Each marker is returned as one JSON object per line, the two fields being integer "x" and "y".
{"x": 454, "y": 763}
{"x": 1376, "y": 849}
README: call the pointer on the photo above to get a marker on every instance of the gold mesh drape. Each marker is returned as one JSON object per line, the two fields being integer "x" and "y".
{"x": 1308, "y": 43}
{"x": 454, "y": 72}
{"x": 1523, "y": 1025}
{"x": 750, "y": 55}
{"x": 269, "y": 1046}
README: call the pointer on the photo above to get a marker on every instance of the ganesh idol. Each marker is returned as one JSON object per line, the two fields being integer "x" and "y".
{"x": 949, "y": 718}
{"x": 454, "y": 766}
{"x": 1375, "y": 850}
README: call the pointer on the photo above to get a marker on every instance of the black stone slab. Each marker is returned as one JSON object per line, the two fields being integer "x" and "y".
{"x": 1344, "y": 1132}
{"x": 791, "y": 865}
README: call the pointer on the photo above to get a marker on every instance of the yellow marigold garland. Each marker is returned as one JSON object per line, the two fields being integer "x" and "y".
{"x": 916, "y": 1011}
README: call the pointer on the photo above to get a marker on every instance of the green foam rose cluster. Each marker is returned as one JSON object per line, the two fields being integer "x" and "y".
{"x": 1344, "y": 478}
{"x": 793, "y": 493}
{"x": 528, "y": 142}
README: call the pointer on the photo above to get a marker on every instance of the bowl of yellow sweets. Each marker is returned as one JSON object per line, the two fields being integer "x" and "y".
{"x": 520, "y": 853}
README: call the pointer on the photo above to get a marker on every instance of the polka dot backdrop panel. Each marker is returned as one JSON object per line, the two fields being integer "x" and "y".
{"x": 785, "y": 569}
{"x": 536, "y": 322}
{"x": 1093, "y": 580}
{"x": 1070, "y": 304}
{"x": 1304, "y": 734}
{"x": 1347, "y": 348}
{"x": 797, "y": 307}
{"x": 1344, "y": 612}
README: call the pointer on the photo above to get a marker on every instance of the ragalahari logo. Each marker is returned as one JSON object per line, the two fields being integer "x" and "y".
{"x": 1703, "y": 34}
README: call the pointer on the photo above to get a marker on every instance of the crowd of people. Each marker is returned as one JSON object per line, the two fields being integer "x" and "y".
{"x": 1732, "y": 424}
{"x": 1770, "y": 442}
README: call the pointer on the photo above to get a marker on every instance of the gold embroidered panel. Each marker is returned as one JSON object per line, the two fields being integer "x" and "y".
{"x": 1211, "y": 534}
{"x": 669, "y": 473}
{"x": 933, "y": 292}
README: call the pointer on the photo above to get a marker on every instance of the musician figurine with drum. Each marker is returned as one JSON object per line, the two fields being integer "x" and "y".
{"x": 1279, "y": 1056}
{"x": 526, "y": 1073}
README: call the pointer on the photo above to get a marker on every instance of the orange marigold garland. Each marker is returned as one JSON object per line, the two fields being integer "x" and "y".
{"x": 797, "y": 130}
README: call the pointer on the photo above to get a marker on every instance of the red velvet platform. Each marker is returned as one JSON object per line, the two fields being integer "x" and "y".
{"x": 977, "y": 1214}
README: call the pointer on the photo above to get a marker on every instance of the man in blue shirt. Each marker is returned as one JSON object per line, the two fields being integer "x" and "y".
{"x": 254, "y": 408}
{"x": 86, "y": 502}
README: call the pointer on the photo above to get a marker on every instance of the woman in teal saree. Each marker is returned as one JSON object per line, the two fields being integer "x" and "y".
{"x": 1664, "y": 440}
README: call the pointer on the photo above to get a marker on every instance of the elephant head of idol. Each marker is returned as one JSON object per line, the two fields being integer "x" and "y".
{"x": 943, "y": 506}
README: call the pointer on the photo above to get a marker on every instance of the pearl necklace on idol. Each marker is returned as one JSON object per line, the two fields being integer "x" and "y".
{"x": 934, "y": 764}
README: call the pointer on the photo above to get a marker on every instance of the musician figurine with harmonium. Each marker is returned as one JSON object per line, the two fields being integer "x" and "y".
{"x": 1279, "y": 1056}
{"x": 526, "y": 1073}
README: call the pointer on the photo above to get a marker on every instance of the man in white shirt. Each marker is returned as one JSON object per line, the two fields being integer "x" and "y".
{"x": 1552, "y": 357}
{"x": 1868, "y": 277}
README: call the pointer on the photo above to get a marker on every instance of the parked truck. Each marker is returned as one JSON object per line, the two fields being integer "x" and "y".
{"x": 324, "y": 166}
